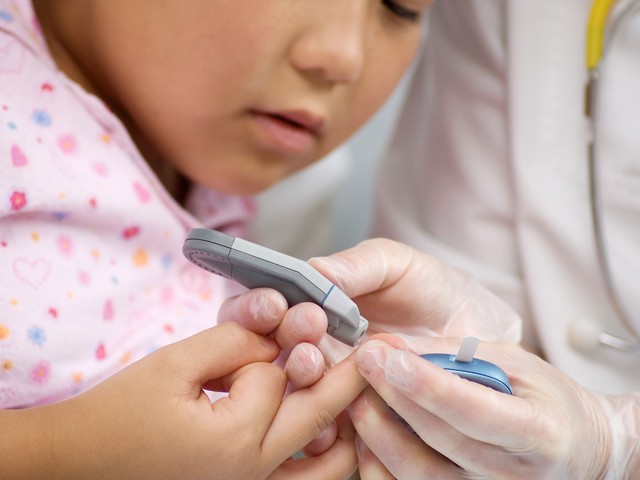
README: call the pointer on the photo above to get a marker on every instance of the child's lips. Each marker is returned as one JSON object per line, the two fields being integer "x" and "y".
{"x": 294, "y": 131}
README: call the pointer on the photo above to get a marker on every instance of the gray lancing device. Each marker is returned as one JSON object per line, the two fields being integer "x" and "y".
{"x": 256, "y": 266}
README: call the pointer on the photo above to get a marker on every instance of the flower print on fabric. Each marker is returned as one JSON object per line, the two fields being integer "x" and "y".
{"x": 5, "y": 16}
{"x": 36, "y": 336}
{"x": 40, "y": 373}
{"x": 68, "y": 144}
{"x": 17, "y": 200}
{"x": 18, "y": 158}
{"x": 4, "y": 332}
{"x": 65, "y": 245}
{"x": 90, "y": 241}
{"x": 42, "y": 118}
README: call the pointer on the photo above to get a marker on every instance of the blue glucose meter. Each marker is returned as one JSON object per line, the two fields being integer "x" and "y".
{"x": 476, "y": 370}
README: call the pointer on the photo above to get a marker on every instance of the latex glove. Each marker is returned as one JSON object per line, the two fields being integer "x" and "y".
{"x": 623, "y": 414}
{"x": 550, "y": 428}
{"x": 153, "y": 420}
{"x": 399, "y": 289}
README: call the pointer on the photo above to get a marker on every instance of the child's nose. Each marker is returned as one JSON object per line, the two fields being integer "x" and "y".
{"x": 333, "y": 47}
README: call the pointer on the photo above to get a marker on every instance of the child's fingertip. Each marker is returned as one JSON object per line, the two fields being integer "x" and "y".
{"x": 269, "y": 343}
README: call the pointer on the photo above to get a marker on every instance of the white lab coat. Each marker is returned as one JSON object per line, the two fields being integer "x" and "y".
{"x": 488, "y": 169}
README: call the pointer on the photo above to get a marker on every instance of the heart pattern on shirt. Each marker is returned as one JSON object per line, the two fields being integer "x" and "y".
{"x": 32, "y": 272}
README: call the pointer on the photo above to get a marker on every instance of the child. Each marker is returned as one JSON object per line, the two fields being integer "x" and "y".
{"x": 124, "y": 124}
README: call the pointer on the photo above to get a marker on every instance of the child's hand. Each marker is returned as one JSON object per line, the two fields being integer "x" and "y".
{"x": 298, "y": 330}
{"x": 265, "y": 311}
{"x": 152, "y": 420}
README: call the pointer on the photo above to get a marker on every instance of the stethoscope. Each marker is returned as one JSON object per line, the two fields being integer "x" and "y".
{"x": 599, "y": 38}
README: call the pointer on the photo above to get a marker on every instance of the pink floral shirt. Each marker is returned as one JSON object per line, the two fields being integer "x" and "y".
{"x": 91, "y": 271}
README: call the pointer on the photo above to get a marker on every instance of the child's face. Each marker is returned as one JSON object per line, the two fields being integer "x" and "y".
{"x": 236, "y": 94}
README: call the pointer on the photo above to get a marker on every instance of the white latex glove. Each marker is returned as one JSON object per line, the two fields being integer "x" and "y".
{"x": 623, "y": 414}
{"x": 400, "y": 289}
{"x": 551, "y": 428}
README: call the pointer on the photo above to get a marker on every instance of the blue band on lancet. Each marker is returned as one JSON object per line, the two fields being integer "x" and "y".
{"x": 327, "y": 295}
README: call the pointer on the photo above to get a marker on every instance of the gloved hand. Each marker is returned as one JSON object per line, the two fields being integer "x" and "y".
{"x": 623, "y": 414}
{"x": 400, "y": 289}
{"x": 550, "y": 428}
{"x": 396, "y": 287}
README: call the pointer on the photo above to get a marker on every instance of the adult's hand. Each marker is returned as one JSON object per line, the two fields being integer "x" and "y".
{"x": 550, "y": 428}
{"x": 400, "y": 289}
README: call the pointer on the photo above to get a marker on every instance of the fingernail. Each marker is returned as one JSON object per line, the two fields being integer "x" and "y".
{"x": 361, "y": 447}
{"x": 308, "y": 358}
{"x": 265, "y": 303}
{"x": 325, "y": 434}
{"x": 337, "y": 267}
{"x": 302, "y": 327}
{"x": 269, "y": 343}
{"x": 400, "y": 372}
{"x": 370, "y": 356}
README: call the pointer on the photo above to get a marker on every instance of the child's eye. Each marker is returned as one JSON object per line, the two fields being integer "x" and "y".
{"x": 401, "y": 11}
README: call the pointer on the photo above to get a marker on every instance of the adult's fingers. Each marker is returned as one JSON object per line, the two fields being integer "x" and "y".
{"x": 402, "y": 452}
{"x": 469, "y": 407}
{"x": 369, "y": 466}
{"x": 452, "y": 415}
{"x": 370, "y": 266}
{"x": 373, "y": 272}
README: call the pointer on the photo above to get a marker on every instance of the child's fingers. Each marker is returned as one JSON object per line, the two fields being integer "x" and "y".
{"x": 337, "y": 462}
{"x": 265, "y": 311}
{"x": 307, "y": 412}
{"x": 255, "y": 395}
{"x": 216, "y": 352}
{"x": 260, "y": 310}
{"x": 322, "y": 442}
{"x": 305, "y": 322}
{"x": 305, "y": 366}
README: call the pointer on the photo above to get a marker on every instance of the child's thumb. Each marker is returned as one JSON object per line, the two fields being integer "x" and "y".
{"x": 221, "y": 350}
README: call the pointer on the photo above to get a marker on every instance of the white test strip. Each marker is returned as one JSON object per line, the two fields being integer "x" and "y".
{"x": 467, "y": 349}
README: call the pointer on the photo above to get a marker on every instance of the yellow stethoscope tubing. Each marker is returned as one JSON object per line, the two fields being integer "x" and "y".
{"x": 595, "y": 31}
